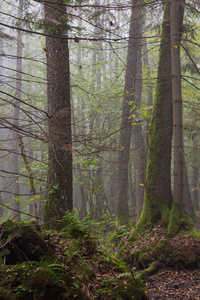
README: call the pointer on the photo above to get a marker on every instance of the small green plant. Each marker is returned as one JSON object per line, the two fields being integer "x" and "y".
{"x": 20, "y": 291}
{"x": 73, "y": 226}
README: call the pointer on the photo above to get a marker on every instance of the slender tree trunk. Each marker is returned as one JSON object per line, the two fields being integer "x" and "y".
{"x": 149, "y": 90}
{"x": 1, "y": 208}
{"x": 177, "y": 102}
{"x": 98, "y": 71}
{"x": 15, "y": 156}
{"x": 134, "y": 51}
{"x": 30, "y": 176}
{"x": 178, "y": 221}
{"x": 195, "y": 173}
{"x": 1, "y": 52}
{"x": 80, "y": 177}
{"x": 138, "y": 137}
{"x": 187, "y": 199}
{"x": 147, "y": 66}
{"x": 59, "y": 198}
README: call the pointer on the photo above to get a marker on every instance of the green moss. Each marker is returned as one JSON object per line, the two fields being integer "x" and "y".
{"x": 193, "y": 232}
{"x": 178, "y": 221}
{"x": 66, "y": 275}
{"x": 32, "y": 280}
{"x": 170, "y": 251}
{"x": 152, "y": 213}
{"x": 22, "y": 242}
{"x": 157, "y": 199}
{"x": 152, "y": 269}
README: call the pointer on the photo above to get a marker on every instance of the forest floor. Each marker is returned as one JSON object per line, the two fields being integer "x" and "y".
{"x": 69, "y": 263}
{"x": 170, "y": 283}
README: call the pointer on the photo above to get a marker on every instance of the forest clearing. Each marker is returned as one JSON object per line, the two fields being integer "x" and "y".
{"x": 99, "y": 157}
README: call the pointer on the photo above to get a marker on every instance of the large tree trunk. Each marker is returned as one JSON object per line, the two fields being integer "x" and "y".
{"x": 158, "y": 195}
{"x": 59, "y": 198}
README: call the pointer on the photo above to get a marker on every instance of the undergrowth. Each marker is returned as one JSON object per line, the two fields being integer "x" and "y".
{"x": 78, "y": 266}
{"x": 105, "y": 232}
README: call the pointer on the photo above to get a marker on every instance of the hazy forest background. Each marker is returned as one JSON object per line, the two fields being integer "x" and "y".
{"x": 88, "y": 136}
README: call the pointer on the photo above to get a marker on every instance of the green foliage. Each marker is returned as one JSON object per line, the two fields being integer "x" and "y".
{"x": 73, "y": 226}
{"x": 64, "y": 275}
{"x": 79, "y": 249}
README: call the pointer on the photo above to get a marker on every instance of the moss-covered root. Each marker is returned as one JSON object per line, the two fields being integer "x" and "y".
{"x": 178, "y": 221}
{"x": 152, "y": 269}
{"x": 125, "y": 221}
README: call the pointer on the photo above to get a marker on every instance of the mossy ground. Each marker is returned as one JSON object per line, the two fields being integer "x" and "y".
{"x": 182, "y": 251}
{"x": 72, "y": 267}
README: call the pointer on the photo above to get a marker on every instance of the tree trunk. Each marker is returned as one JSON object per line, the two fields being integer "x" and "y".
{"x": 195, "y": 173}
{"x": 15, "y": 156}
{"x": 138, "y": 137}
{"x": 122, "y": 211}
{"x": 158, "y": 195}
{"x": 30, "y": 176}
{"x": 149, "y": 90}
{"x": 187, "y": 199}
{"x": 177, "y": 102}
{"x": 178, "y": 221}
{"x": 59, "y": 198}
{"x": 1, "y": 51}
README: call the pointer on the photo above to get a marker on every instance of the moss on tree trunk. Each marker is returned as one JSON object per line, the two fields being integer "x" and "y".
{"x": 178, "y": 220}
{"x": 158, "y": 196}
{"x": 158, "y": 206}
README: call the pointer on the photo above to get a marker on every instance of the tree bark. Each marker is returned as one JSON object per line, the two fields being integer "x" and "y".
{"x": 134, "y": 50}
{"x": 137, "y": 133}
{"x": 195, "y": 173}
{"x": 177, "y": 102}
{"x": 15, "y": 156}
{"x": 59, "y": 198}
{"x": 177, "y": 221}
{"x": 187, "y": 199}
{"x": 149, "y": 90}
{"x": 158, "y": 195}
{"x": 29, "y": 175}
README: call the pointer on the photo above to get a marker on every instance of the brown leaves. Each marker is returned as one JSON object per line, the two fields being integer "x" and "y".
{"x": 168, "y": 284}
